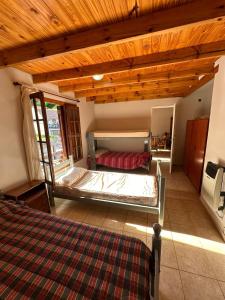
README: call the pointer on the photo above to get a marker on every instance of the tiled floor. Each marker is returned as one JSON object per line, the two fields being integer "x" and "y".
{"x": 193, "y": 253}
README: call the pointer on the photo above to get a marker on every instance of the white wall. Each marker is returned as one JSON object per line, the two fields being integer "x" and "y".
{"x": 161, "y": 118}
{"x": 127, "y": 115}
{"x": 12, "y": 158}
{"x": 190, "y": 108}
{"x": 215, "y": 149}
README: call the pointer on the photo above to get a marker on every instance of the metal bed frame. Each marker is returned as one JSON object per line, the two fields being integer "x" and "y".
{"x": 70, "y": 194}
{"x": 92, "y": 146}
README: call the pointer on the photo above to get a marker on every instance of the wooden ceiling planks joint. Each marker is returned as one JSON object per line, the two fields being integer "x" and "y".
{"x": 133, "y": 79}
{"x": 187, "y": 54}
{"x": 129, "y": 30}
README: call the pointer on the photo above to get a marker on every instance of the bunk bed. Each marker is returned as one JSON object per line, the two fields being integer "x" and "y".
{"x": 47, "y": 257}
{"x": 144, "y": 193}
{"x": 115, "y": 159}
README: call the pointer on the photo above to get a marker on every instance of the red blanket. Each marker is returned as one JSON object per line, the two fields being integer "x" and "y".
{"x": 46, "y": 257}
{"x": 123, "y": 160}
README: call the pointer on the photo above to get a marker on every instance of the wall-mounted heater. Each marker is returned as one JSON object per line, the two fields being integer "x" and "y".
{"x": 212, "y": 194}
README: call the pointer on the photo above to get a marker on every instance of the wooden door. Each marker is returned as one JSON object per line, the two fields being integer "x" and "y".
{"x": 173, "y": 139}
{"x": 188, "y": 147}
{"x": 195, "y": 144}
{"x": 200, "y": 131}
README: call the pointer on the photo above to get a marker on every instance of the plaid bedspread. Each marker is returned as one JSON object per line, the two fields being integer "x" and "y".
{"x": 46, "y": 257}
{"x": 123, "y": 160}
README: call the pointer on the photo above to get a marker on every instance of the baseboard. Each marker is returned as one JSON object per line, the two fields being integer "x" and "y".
{"x": 219, "y": 224}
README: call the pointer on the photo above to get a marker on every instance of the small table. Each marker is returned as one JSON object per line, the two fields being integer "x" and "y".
{"x": 33, "y": 194}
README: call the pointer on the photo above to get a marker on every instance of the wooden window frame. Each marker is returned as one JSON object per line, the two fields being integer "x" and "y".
{"x": 46, "y": 164}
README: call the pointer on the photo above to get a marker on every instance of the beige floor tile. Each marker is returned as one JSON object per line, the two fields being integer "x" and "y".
{"x": 96, "y": 219}
{"x": 209, "y": 233}
{"x": 186, "y": 234}
{"x": 179, "y": 216}
{"x": 136, "y": 223}
{"x": 170, "y": 285}
{"x": 168, "y": 258}
{"x": 222, "y": 286}
{"x": 193, "y": 259}
{"x": 139, "y": 236}
{"x": 200, "y": 288}
{"x": 217, "y": 262}
{"x": 113, "y": 224}
{"x": 168, "y": 254}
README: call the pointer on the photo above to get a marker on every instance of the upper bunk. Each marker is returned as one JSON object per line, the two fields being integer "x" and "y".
{"x": 105, "y": 134}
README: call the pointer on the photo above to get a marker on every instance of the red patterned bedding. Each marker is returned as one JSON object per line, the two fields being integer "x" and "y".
{"x": 46, "y": 257}
{"x": 124, "y": 160}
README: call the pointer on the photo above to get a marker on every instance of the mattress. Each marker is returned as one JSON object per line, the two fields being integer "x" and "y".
{"x": 46, "y": 257}
{"x": 121, "y": 134}
{"x": 129, "y": 188}
{"x": 123, "y": 160}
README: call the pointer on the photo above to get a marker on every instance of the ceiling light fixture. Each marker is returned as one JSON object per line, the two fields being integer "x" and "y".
{"x": 97, "y": 76}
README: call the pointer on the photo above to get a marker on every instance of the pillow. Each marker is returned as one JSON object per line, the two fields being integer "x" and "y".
{"x": 71, "y": 176}
{"x": 100, "y": 151}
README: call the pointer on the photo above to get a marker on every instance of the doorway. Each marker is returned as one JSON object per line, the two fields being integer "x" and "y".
{"x": 162, "y": 134}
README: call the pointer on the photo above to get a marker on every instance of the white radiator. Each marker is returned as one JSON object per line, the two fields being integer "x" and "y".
{"x": 211, "y": 189}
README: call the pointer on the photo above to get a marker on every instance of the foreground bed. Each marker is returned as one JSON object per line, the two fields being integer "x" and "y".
{"x": 137, "y": 192}
{"x": 46, "y": 257}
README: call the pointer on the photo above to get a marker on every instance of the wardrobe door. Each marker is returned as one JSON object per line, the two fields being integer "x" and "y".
{"x": 200, "y": 131}
{"x": 199, "y": 138}
{"x": 188, "y": 147}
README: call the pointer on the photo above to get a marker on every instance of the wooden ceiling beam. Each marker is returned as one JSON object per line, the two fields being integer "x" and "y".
{"x": 138, "y": 78}
{"x": 201, "y": 82}
{"x": 146, "y": 86}
{"x": 145, "y": 96}
{"x": 139, "y": 95}
{"x": 168, "y": 19}
{"x": 187, "y": 54}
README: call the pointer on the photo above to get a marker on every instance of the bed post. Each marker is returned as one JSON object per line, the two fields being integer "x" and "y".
{"x": 161, "y": 200}
{"x": 161, "y": 187}
{"x": 91, "y": 150}
{"x": 156, "y": 255}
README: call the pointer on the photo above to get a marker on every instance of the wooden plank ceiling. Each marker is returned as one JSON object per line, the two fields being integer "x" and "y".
{"x": 163, "y": 48}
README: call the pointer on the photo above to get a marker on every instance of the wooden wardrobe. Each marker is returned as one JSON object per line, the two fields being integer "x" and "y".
{"x": 195, "y": 144}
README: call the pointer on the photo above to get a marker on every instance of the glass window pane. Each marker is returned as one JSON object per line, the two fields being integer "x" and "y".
{"x": 47, "y": 171}
{"x": 42, "y": 128}
{"x": 33, "y": 112}
{"x": 39, "y": 111}
{"x": 39, "y": 151}
{"x": 36, "y": 131}
{"x": 45, "y": 151}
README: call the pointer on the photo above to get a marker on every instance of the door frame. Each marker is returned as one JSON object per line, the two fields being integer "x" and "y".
{"x": 173, "y": 106}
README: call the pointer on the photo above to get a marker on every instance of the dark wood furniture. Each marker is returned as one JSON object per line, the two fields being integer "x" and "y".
{"x": 195, "y": 144}
{"x": 33, "y": 193}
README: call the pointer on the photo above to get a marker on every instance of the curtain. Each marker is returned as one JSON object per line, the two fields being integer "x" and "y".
{"x": 29, "y": 137}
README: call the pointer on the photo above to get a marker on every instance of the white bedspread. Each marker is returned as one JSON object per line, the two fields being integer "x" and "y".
{"x": 140, "y": 189}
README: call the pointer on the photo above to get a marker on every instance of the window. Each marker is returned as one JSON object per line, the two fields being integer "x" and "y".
{"x": 42, "y": 136}
{"x": 58, "y": 134}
